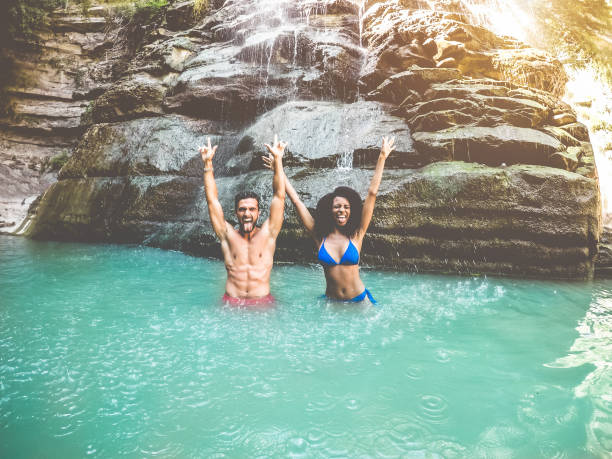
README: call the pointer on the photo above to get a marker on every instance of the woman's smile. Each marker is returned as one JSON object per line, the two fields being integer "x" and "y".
{"x": 341, "y": 209}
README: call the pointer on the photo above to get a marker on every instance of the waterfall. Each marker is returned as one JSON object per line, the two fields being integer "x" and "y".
{"x": 287, "y": 51}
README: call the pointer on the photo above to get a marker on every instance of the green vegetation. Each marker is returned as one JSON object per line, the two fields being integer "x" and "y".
{"x": 141, "y": 12}
{"x": 199, "y": 6}
{"x": 19, "y": 19}
{"x": 79, "y": 76}
{"x": 601, "y": 125}
{"x": 132, "y": 22}
{"x": 56, "y": 162}
{"x": 7, "y": 76}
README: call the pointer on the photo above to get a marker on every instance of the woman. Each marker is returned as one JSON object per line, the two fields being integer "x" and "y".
{"x": 338, "y": 228}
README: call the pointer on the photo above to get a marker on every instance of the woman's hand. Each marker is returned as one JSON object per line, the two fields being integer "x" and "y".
{"x": 207, "y": 152}
{"x": 277, "y": 149}
{"x": 268, "y": 162}
{"x": 387, "y": 147}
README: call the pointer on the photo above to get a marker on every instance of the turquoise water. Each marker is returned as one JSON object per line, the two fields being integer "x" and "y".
{"x": 114, "y": 351}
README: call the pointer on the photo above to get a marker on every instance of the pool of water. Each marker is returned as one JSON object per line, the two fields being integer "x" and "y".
{"x": 126, "y": 351}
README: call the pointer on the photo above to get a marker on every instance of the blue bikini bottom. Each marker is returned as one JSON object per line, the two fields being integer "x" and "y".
{"x": 357, "y": 299}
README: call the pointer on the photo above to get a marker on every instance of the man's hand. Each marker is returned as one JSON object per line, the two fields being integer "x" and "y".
{"x": 207, "y": 152}
{"x": 277, "y": 150}
{"x": 277, "y": 206}
{"x": 387, "y": 147}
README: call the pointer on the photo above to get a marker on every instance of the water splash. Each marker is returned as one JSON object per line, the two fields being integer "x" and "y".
{"x": 593, "y": 348}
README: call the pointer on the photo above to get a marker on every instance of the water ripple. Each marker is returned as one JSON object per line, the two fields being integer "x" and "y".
{"x": 414, "y": 373}
{"x": 433, "y": 408}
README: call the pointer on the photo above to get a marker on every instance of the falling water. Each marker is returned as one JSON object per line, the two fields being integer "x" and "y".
{"x": 361, "y": 10}
{"x": 591, "y": 97}
{"x": 277, "y": 36}
{"x": 293, "y": 50}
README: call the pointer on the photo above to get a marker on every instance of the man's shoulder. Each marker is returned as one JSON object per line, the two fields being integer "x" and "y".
{"x": 264, "y": 229}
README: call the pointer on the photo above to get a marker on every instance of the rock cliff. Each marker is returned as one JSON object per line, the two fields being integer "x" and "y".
{"x": 492, "y": 173}
{"x": 42, "y": 123}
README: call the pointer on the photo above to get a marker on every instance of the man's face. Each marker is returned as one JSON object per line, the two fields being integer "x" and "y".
{"x": 247, "y": 212}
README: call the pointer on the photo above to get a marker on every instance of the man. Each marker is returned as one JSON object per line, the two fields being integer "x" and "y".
{"x": 248, "y": 251}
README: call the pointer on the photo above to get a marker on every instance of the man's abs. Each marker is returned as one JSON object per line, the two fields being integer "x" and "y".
{"x": 248, "y": 281}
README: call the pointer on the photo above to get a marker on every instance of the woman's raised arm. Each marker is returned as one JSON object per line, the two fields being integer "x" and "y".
{"x": 368, "y": 206}
{"x": 303, "y": 212}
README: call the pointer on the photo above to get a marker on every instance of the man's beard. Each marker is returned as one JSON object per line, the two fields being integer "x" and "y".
{"x": 247, "y": 227}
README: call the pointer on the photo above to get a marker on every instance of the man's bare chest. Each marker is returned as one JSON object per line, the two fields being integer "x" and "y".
{"x": 251, "y": 251}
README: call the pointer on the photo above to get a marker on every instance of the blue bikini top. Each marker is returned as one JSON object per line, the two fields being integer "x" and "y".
{"x": 350, "y": 257}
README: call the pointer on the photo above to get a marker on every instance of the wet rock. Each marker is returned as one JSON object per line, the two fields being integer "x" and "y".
{"x": 562, "y": 135}
{"x": 577, "y": 130}
{"x": 83, "y": 24}
{"x": 562, "y": 119}
{"x": 488, "y": 100}
{"x": 529, "y": 67}
{"x": 166, "y": 56}
{"x": 434, "y": 218}
{"x": 257, "y": 63}
{"x": 449, "y": 40}
{"x": 85, "y": 214}
{"x": 148, "y": 146}
{"x": 449, "y": 49}
{"x": 138, "y": 96}
{"x": 327, "y": 134}
{"x": 20, "y": 185}
{"x": 181, "y": 15}
{"x": 586, "y": 161}
{"x": 489, "y": 145}
{"x": 245, "y": 79}
{"x": 568, "y": 160}
{"x": 396, "y": 88}
{"x": 603, "y": 260}
{"x": 459, "y": 119}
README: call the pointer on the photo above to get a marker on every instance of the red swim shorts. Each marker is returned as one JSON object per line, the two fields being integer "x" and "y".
{"x": 261, "y": 301}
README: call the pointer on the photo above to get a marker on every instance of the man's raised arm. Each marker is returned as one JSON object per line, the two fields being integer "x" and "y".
{"x": 212, "y": 196}
{"x": 277, "y": 207}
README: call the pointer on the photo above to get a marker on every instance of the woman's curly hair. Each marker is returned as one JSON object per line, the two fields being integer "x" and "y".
{"x": 324, "y": 220}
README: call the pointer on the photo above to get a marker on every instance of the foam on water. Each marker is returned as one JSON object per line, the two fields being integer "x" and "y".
{"x": 109, "y": 350}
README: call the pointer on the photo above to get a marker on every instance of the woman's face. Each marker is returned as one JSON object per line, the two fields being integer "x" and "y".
{"x": 341, "y": 210}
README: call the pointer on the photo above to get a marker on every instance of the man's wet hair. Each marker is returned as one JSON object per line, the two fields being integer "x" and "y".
{"x": 324, "y": 220}
{"x": 246, "y": 195}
